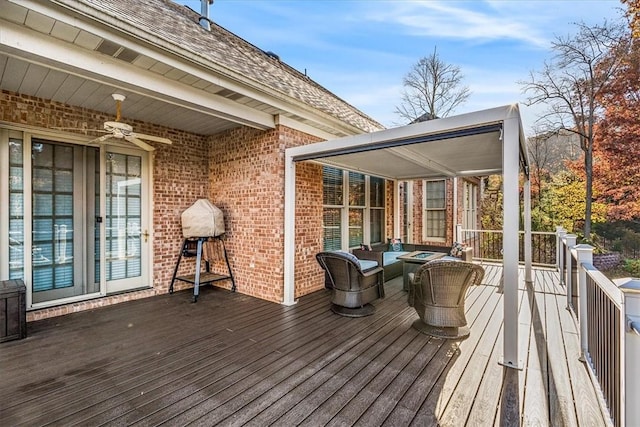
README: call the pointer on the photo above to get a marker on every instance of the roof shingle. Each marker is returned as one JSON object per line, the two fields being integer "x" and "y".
{"x": 178, "y": 28}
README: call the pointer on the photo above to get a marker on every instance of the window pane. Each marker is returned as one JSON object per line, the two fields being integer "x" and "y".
{"x": 356, "y": 227}
{"x": 53, "y": 217}
{"x": 123, "y": 216}
{"x": 357, "y": 195}
{"x": 376, "y": 192}
{"x": 435, "y": 195}
{"x": 331, "y": 229}
{"x": 332, "y": 193}
{"x": 16, "y": 211}
{"x": 376, "y": 225}
{"x": 436, "y": 223}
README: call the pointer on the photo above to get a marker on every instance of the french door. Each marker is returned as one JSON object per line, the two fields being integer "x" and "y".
{"x": 127, "y": 232}
{"x": 77, "y": 218}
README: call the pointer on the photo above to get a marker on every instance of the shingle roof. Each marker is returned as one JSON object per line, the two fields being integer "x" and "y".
{"x": 178, "y": 27}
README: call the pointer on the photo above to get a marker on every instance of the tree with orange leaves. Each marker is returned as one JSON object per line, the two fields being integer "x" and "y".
{"x": 617, "y": 143}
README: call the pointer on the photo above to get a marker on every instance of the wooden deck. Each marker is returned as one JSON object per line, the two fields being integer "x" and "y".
{"x": 236, "y": 360}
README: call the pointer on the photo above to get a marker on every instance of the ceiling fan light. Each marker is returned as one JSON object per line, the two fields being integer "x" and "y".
{"x": 118, "y": 97}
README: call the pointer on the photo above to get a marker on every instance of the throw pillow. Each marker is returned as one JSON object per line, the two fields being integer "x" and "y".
{"x": 395, "y": 245}
{"x": 365, "y": 247}
{"x": 457, "y": 249}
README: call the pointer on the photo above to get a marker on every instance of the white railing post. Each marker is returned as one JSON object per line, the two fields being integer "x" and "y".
{"x": 558, "y": 230}
{"x": 459, "y": 238}
{"x": 631, "y": 379}
{"x": 584, "y": 255}
{"x": 559, "y": 252}
{"x": 570, "y": 240}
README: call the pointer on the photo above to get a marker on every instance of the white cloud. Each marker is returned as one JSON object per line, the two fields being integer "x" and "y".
{"x": 477, "y": 21}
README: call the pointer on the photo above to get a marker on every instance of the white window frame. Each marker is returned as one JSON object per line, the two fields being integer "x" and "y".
{"x": 425, "y": 235}
{"x": 470, "y": 206}
{"x": 366, "y": 208}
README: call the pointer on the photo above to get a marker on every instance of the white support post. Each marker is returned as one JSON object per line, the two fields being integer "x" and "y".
{"x": 631, "y": 341}
{"x": 396, "y": 210}
{"x": 459, "y": 237}
{"x": 289, "y": 230}
{"x": 560, "y": 252}
{"x": 510, "y": 245}
{"x": 527, "y": 232}
{"x": 570, "y": 241}
{"x": 455, "y": 209}
{"x": 584, "y": 255}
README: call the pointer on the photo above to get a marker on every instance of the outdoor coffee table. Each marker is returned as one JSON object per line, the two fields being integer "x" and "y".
{"x": 413, "y": 260}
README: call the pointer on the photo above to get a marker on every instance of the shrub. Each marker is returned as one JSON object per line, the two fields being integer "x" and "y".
{"x": 631, "y": 240}
{"x": 632, "y": 266}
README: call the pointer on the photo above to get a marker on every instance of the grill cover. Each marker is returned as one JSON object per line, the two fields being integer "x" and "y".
{"x": 202, "y": 219}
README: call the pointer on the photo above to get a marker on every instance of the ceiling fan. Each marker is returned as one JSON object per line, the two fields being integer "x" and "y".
{"x": 120, "y": 130}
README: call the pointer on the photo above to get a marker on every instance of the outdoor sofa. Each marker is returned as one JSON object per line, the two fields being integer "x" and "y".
{"x": 389, "y": 259}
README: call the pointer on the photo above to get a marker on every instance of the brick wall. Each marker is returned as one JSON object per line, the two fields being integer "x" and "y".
{"x": 179, "y": 178}
{"x": 240, "y": 170}
{"x": 246, "y": 172}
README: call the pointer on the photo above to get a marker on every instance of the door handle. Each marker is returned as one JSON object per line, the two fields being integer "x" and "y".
{"x": 146, "y": 235}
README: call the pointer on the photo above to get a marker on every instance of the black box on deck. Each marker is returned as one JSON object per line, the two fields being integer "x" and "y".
{"x": 13, "y": 310}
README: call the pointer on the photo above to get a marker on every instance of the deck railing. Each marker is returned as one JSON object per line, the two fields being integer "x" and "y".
{"x": 605, "y": 313}
{"x": 487, "y": 245}
{"x": 608, "y": 314}
{"x": 605, "y": 338}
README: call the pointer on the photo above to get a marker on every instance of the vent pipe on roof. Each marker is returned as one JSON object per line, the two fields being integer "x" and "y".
{"x": 204, "y": 14}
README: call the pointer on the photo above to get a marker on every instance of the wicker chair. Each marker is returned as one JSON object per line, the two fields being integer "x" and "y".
{"x": 352, "y": 289}
{"x": 437, "y": 292}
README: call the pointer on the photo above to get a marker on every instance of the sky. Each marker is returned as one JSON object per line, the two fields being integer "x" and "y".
{"x": 361, "y": 49}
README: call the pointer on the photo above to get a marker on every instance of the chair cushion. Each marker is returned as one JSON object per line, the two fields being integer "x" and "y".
{"x": 366, "y": 264}
{"x": 389, "y": 258}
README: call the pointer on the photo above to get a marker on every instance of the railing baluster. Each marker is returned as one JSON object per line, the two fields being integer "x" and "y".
{"x": 604, "y": 347}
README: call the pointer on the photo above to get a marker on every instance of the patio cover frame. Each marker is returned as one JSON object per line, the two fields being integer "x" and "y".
{"x": 440, "y": 148}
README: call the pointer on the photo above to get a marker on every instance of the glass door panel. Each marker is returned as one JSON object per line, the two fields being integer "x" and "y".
{"x": 125, "y": 238}
{"x": 16, "y": 210}
{"x": 62, "y": 199}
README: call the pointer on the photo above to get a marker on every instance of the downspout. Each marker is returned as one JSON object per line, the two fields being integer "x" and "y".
{"x": 204, "y": 14}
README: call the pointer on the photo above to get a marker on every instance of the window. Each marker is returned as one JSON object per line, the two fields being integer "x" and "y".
{"x": 376, "y": 206}
{"x": 332, "y": 201}
{"x": 353, "y": 209}
{"x": 357, "y": 202}
{"x": 470, "y": 206}
{"x": 434, "y": 227}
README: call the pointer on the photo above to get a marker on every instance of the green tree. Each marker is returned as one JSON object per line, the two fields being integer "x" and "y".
{"x": 566, "y": 201}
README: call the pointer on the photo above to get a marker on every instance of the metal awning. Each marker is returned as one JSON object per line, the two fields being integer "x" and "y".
{"x": 473, "y": 144}
{"x": 465, "y": 145}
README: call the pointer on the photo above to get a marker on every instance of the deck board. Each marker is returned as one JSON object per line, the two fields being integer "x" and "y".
{"x": 235, "y": 360}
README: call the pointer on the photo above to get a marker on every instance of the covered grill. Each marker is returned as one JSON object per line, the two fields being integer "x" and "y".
{"x": 202, "y": 219}
{"x": 203, "y": 229}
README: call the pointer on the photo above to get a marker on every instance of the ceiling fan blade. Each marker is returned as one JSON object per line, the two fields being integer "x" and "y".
{"x": 75, "y": 128}
{"x": 151, "y": 138}
{"x": 100, "y": 139}
{"x": 132, "y": 139}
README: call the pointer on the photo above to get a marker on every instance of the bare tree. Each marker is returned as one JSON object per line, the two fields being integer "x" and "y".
{"x": 570, "y": 83}
{"x": 432, "y": 89}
